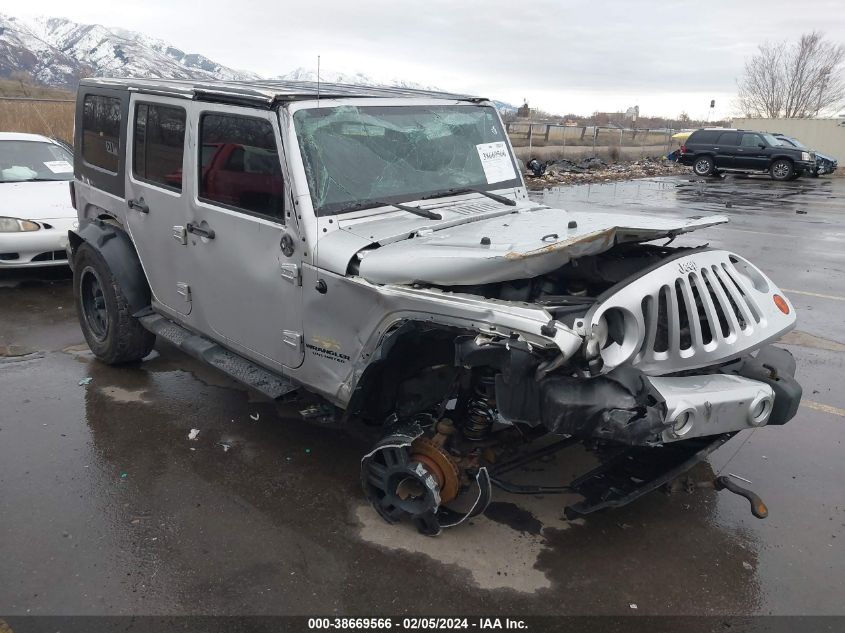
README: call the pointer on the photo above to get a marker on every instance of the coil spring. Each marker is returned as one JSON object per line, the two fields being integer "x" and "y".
{"x": 481, "y": 412}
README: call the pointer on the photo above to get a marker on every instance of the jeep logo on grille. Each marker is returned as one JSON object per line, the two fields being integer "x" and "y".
{"x": 687, "y": 267}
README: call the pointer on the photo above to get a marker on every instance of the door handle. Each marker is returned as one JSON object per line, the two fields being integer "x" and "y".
{"x": 139, "y": 205}
{"x": 206, "y": 233}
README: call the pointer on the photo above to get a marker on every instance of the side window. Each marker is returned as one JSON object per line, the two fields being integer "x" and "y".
{"x": 159, "y": 144}
{"x": 728, "y": 138}
{"x": 704, "y": 136}
{"x": 752, "y": 140}
{"x": 239, "y": 164}
{"x": 101, "y": 132}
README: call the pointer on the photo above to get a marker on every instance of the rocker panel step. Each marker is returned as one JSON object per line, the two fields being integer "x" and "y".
{"x": 233, "y": 365}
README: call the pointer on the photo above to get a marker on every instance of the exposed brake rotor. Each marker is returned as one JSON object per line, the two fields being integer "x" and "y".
{"x": 439, "y": 463}
{"x": 405, "y": 476}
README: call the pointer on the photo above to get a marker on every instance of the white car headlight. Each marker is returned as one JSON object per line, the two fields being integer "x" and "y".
{"x": 805, "y": 155}
{"x": 13, "y": 225}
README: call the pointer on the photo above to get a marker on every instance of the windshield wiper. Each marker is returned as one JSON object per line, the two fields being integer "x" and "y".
{"x": 457, "y": 191}
{"x": 369, "y": 204}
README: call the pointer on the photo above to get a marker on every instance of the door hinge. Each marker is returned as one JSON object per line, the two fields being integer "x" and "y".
{"x": 180, "y": 235}
{"x": 293, "y": 339}
{"x": 290, "y": 272}
{"x": 184, "y": 290}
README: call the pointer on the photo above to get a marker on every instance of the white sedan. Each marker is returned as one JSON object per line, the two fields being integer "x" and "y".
{"x": 35, "y": 205}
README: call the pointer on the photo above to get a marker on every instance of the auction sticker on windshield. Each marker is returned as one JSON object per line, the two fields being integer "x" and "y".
{"x": 58, "y": 166}
{"x": 496, "y": 162}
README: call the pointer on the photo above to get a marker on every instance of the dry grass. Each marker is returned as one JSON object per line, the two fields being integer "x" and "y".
{"x": 53, "y": 119}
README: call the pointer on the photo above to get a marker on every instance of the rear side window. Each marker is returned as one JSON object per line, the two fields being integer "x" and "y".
{"x": 704, "y": 136}
{"x": 239, "y": 164}
{"x": 101, "y": 132}
{"x": 159, "y": 144}
{"x": 728, "y": 138}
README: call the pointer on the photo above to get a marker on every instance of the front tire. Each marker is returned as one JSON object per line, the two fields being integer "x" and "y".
{"x": 782, "y": 169}
{"x": 704, "y": 166}
{"x": 110, "y": 330}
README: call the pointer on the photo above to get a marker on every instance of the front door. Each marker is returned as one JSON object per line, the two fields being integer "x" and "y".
{"x": 156, "y": 200}
{"x": 753, "y": 152}
{"x": 246, "y": 292}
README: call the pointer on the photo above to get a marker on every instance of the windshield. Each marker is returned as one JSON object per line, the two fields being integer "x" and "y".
{"x": 358, "y": 157}
{"x": 791, "y": 141}
{"x": 21, "y": 161}
{"x": 771, "y": 140}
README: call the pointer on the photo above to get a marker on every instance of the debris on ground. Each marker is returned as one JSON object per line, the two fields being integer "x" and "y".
{"x": 124, "y": 475}
{"x": 85, "y": 381}
{"x": 747, "y": 565}
{"x": 193, "y": 434}
{"x": 594, "y": 169}
{"x": 800, "y": 212}
{"x": 255, "y": 417}
{"x": 226, "y": 447}
{"x": 633, "y": 605}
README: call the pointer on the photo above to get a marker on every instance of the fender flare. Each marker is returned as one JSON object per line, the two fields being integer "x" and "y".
{"x": 115, "y": 246}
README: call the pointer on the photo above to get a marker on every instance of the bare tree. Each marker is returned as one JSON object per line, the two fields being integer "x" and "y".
{"x": 793, "y": 81}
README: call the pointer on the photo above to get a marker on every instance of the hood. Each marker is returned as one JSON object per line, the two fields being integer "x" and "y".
{"x": 522, "y": 244}
{"x": 36, "y": 200}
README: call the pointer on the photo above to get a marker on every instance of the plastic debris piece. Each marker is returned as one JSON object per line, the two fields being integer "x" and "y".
{"x": 226, "y": 447}
{"x": 633, "y": 605}
{"x": 193, "y": 434}
{"x": 124, "y": 475}
{"x": 85, "y": 381}
{"x": 307, "y": 451}
{"x": 255, "y": 417}
{"x": 747, "y": 565}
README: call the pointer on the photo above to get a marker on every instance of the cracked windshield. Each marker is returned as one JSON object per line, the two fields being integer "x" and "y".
{"x": 362, "y": 157}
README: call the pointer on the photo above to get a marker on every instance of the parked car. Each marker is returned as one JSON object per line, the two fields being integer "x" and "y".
{"x": 376, "y": 248}
{"x": 35, "y": 207}
{"x": 713, "y": 150}
{"x": 824, "y": 164}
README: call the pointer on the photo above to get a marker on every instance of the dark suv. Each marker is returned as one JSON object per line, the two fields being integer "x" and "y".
{"x": 713, "y": 150}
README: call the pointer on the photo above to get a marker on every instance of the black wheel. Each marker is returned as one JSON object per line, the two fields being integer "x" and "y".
{"x": 814, "y": 173}
{"x": 112, "y": 333}
{"x": 782, "y": 169}
{"x": 704, "y": 166}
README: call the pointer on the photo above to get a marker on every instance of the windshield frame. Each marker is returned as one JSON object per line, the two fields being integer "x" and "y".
{"x": 68, "y": 159}
{"x": 344, "y": 209}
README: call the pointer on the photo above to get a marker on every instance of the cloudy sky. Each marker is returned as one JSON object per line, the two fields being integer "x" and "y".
{"x": 666, "y": 57}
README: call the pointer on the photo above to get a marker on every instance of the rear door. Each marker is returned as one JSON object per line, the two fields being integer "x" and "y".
{"x": 247, "y": 294}
{"x": 725, "y": 149}
{"x": 155, "y": 198}
{"x": 753, "y": 152}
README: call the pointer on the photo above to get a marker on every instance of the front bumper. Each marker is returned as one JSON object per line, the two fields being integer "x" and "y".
{"x": 628, "y": 407}
{"x": 33, "y": 249}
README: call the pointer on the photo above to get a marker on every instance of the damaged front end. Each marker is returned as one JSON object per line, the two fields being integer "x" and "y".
{"x": 675, "y": 358}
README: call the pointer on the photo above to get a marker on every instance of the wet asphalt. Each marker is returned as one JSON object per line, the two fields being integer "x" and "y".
{"x": 106, "y": 506}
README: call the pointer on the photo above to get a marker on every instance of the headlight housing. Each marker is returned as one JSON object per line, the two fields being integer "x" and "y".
{"x": 805, "y": 155}
{"x": 13, "y": 225}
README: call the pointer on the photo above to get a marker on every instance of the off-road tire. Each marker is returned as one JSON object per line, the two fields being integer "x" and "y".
{"x": 112, "y": 333}
{"x": 782, "y": 169}
{"x": 704, "y": 166}
{"x": 814, "y": 173}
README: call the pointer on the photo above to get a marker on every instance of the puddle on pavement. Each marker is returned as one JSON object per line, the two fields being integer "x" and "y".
{"x": 805, "y": 339}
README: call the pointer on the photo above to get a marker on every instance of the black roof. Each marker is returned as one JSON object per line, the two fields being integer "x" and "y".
{"x": 265, "y": 92}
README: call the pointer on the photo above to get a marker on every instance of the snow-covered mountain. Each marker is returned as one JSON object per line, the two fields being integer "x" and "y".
{"x": 57, "y": 52}
{"x": 356, "y": 79}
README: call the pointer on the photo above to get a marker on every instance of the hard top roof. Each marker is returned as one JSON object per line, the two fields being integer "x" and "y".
{"x": 265, "y": 92}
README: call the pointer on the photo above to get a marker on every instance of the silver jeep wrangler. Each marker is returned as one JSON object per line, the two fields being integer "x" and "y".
{"x": 376, "y": 249}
